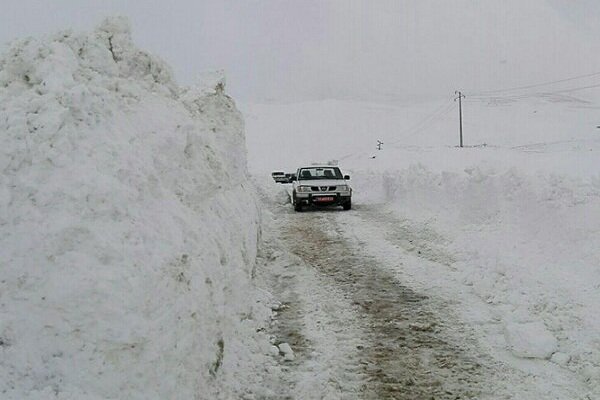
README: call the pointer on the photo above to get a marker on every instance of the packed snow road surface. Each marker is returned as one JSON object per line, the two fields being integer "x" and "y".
{"x": 404, "y": 350}
{"x": 360, "y": 329}
{"x": 358, "y": 332}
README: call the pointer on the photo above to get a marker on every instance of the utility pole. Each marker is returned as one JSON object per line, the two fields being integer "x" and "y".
{"x": 459, "y": 98}
{"x": 379, "y": 143}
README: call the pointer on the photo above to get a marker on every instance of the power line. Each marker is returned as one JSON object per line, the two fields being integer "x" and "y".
{"x": 537, "y": 84}
{"x": 573, "y": 89}
{"x": 436, "y": 118}
{"x": 438, "y": 112}
{"x": 534, "y": 94}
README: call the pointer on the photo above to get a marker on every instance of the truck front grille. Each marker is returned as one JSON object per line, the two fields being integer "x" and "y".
{"x": 323, "y": 188}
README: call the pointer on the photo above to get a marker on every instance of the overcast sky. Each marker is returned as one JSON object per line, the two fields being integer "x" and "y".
{"x": 286, "y": 50}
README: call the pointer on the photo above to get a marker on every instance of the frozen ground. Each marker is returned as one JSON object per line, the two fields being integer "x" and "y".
{"x": 503, "y": 233}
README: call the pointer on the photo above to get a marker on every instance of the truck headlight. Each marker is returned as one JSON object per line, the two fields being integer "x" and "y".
{"x": 302, "y": 189}
{"x": 343, "y": 188}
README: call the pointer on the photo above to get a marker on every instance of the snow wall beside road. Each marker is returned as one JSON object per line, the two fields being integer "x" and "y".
{"x": 128, "y": 230}
{"x": 525, "y": 244}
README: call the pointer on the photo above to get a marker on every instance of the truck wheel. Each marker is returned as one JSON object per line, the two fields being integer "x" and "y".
{"x": 296, "y": 203}
{"x": 348, "y": 205}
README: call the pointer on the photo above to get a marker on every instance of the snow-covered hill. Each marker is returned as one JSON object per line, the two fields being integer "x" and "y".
{"x": 128, "y": 231}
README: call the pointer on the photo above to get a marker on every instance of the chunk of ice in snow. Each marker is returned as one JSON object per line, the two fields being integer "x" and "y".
{"x": 560, "y": 358}
{"x": 530, "y": 340}
{"x": 274, "y": 350}
{"x": 286, "y": 350}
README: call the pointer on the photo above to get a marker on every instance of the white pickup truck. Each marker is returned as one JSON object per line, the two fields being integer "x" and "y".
{"x": 280, "y": 177}
{"x": 321, "y": 186}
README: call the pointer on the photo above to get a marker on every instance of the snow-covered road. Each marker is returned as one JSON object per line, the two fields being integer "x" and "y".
{"x": 360, "y": 326}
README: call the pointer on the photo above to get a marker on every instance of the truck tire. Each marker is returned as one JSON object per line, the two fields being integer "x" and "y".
{"x": 348, "y": 205}
{"x": 296, "y": 203}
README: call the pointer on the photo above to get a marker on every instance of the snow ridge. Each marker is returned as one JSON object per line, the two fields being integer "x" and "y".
{"x": 128, "y": 230}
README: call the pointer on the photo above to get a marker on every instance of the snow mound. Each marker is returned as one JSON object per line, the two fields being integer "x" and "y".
{"x": 128, "y": 231}
{"x": 530, "y": 340}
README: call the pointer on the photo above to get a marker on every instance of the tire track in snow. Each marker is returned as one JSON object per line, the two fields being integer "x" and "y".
{"x": 415, "y": 252}
{"x": 315, "y": 318}
{"x": 405, "y": 355}
{"x": 377, "y": 338}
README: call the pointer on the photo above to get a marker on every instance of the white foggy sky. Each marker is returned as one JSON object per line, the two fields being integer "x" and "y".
{"x": 287, "y": 50}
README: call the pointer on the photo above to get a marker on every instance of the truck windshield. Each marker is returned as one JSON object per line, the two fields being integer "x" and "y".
{"x": 319, "y": 173}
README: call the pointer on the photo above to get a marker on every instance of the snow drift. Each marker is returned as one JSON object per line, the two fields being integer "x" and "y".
{"x": 524, "y": 246}
{"x": 128, "y": 231}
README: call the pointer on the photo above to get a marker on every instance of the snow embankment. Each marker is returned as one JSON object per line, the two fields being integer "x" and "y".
{"x": 128, "y": 230}
{"x": 524, "y": 244}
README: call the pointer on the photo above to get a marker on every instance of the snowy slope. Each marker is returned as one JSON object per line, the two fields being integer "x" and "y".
{"x": 128, "y": 231}
{"x": 554, "y": 133}
{"x": 518, "y": 211}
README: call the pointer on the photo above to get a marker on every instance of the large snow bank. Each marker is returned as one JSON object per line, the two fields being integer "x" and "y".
{"x": 128, "y": 231}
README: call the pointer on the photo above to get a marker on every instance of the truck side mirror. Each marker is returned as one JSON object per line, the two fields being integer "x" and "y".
{"x": 347, "y": 177}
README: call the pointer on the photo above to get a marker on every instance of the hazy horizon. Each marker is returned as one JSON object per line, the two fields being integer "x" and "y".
{"x": 289, "y": 50}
